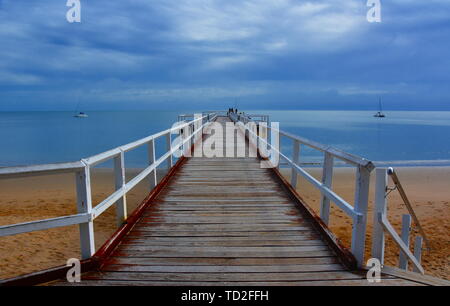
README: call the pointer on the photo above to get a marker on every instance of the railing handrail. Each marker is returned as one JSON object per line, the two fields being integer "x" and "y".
{"x": 342, "y": 155}
{"x": 344, "y": 205}
{"x": 20, "y": 171}
{"x": 347, "y": 157}
{"x": 398, "y": 184}
{"x": 44, "y": 169}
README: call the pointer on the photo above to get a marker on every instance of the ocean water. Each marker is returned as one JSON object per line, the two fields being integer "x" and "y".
{"x": 402, "y": 138}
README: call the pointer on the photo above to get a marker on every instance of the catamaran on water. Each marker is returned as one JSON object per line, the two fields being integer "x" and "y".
{"x": 81, "y": 115}
{"x": 379, "y": 114}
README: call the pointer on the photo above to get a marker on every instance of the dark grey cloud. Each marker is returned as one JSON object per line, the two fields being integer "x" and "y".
{"x": 264, "y": 53}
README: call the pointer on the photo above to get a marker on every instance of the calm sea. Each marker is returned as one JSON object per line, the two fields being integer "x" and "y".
{"x": 408, "y": 138}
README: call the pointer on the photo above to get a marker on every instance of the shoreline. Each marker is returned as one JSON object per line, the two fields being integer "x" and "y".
{"x": 26, "y": 199}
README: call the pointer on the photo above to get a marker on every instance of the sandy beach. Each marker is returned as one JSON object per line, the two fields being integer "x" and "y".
{"x": 28, "y": 199}
{"x": 429, "y": 193}
{"x": 36, "y": 198}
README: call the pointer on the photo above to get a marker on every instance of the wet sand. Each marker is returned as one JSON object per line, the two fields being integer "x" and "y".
{"x": 35, "y": 198}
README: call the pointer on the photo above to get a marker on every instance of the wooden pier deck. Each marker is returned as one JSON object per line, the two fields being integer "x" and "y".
{"x": 226, "y": 221}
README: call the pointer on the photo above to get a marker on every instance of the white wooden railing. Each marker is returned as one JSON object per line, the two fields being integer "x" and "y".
{"x": 357, "y": 211}
{"x": 82, "y": 169}
{"x": 381, "y": 224}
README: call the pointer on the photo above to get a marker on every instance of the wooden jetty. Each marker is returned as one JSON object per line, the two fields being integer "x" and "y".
{"x": 220, "y": 221}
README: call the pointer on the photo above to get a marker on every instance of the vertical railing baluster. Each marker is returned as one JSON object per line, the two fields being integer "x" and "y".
{"x": 193, "y": 138}
{"x": 406, "y": 227}
{"x": 169, "y": 148}
{"x": 272, "y": 151}
{"x": 359, "y": 224}
{"x": 378, "y": 238}
{"x": 418, "y": 251}
{"x": 186, "y": 148}
{"x": 295, "y": 159}
{"x": 151, "y": 160}
{"x": 327, "y": 179}
{"x": 119, "y": 179}
{"x": 84, "y": 205}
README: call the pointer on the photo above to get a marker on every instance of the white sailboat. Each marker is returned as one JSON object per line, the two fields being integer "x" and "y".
{"x": 80, "y": 114}
{"x": 379, "y": 114}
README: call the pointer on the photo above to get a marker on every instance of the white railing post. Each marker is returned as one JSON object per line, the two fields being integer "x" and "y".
{"x": 359, "y": 224}
{"x": 327, "y": 178}
{"x": 280, "y": 146}
{"x": 406, "y": 227}
{"x": 119, "y": 175}
{"x": 151, "y": 159}
{"x": 418, "y": 251}
{"x": 169, "y": 148}
{"x": 193, "y": 138}
{"x": 188, "y": 145}
{"x": 378, "y": 239}
{"x": 84, "y": 205}
{"x": 295, "y": 160}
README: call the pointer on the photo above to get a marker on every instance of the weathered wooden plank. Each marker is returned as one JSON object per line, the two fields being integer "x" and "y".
{"x": 201, "y": 277}
{"x": 221, "y": 249}
{"x": 213, "y": 234}
{"x": 299, "y": 237}
{"x": 195, "y": 224}
{"x": 343, "y": 282}
{"x": 224, "y": 195}
{"x": 207, "y": 253}
{"x": 196, "y": 261}
{"x": 277, "y": 212}
{"x": 224, "y": 243}
{"x": 224, "y": 268}
{"x": 271, "y": 200}
{"x": 217, "y": 227}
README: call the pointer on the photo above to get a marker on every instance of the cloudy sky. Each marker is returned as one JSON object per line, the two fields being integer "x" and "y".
{"x": 278, "y": 54}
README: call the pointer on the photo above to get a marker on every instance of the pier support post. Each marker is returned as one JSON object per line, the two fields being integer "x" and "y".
{"x": 84, "y": 205}
{"x": 295, "y": 160}
{"x": 406, "y": 227}
{"x": 151, "y": 159}
{"x": 327, "y": 177}
{"x": 359, "y": 224}
{"x": 119, "y": 179}
{"x": 380, "y": 208}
